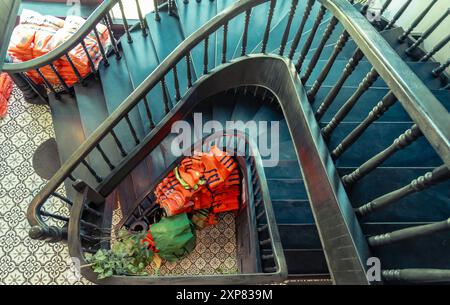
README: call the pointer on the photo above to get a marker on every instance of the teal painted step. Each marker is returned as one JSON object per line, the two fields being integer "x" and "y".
{"x": 304, "y": 262}
{"x": 284, "y": 169}
{"x": 258, "y": 22}
{"x": 429, "y": 205}
{"x": 366, "y": 103}
{"x": 430, "y": 251}
{"x": 142, "y": 60}
{"x": 292, "y": 211}
{"x": 117, "y": 86}
{"x": 192, "y": 16}
{"x": 69, "y": 136}
{"x": 281, "y": 189}
{"x": 93, "y": 111}
{"x": 277, "y": 32}
{"x": 422, "y": 69}
{"x": 166, "y": 36}
{"x": 376, "y": 138}
{"x": 223, "y": 107}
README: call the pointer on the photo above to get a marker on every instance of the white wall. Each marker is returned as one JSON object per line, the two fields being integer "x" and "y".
{"x": 414, "y": 9}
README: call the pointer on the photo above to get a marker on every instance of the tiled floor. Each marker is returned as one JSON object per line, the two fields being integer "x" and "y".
{"x": 22, "y": 260}
{"x": 26, "y": 261}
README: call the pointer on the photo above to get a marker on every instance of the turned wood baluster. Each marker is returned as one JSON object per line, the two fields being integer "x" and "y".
{"x": 348, "y": 70}
{"x": 287, "y": 30}
{"x": 388, "y": 100}
{"x": 245, "y": 35}
{"x": 419, "y": 184}
{"x": 403, "y": 141}
{"x": 268, "y": 24}
{"x": 367, "y": 82}
{"x": 299, "y": 33}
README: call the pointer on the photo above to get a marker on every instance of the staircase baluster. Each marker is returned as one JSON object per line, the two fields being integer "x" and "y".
{"x": 176, "y": 83}
{"x": 268, "y": 24}
{"x": 133, "y": 131}
{"x": 58, "y": 217}
{"x": 367, "y": 82}
{"x": 397, "y": 15}
{"x": 205, "y": 56}
{"x": 245, "y": 35}
{"x": 101, "y": 48}
{"x": 91, "y": 62}
{"x": 148, "y": 112}
{"x": 60, "y": 79}
{"x": 287, "y": 30}
{"x": 43, "y": 96}
{"x": 437, "y": 71}
{"x": 75, "y": 70}
{"x": 155, "y": 4}
{"x": 108, "y": 23}
{"x": 142, "y": 20}
{"x": 312, "y": 63}
{"x": 403, "y": 141}
{"x": 299, "y": 33}
{"x": 417, "y": 21}
{"x": 125, "y": 22}
{"x": 436, "y": 48}
{"x": 439, "y": 174}
{"x": 105, "y": 157}
{"x": 165, "y": 95}
{"x": 385, "y": 6}
{"x": 188, "y": 70}
{"x": 62, "y": 198}
{"x": 427, "y": 33}
{"x": 408, "y": 233}
{"x": 419, "y": 275}
{"x": 118, "y": 143}
{"x": 324, "y": 73}
{"x": 310, "y": 39}
{"x": 225, "y": 42}
{"x": 47, "y": 84}
{"x": 265, "y": 242}
{"x": 348, "y": 70}
{"x": 388, "y": 100}
{"x": 92, "y": 171}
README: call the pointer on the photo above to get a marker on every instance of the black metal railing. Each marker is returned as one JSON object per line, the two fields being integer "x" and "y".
{"x": 259, "y": 233}
{"x": 430, "y": 117}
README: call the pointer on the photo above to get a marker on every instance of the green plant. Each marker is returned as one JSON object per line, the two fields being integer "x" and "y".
{"x": 127, "y": 256}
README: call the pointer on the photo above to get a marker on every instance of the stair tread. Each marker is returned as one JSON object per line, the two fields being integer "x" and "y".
{"x": 69, "y": 134}
{"x": 192, "y": 16}
{"x": 299, "y": 261}
{"x": 164, "y": 44}
{"x": 142, "y": 60}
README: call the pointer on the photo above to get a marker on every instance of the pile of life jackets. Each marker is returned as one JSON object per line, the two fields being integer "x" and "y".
{"x": 202, "y": 186}
{"x": 37, "y": 35}
{"x": 6, "y": 86}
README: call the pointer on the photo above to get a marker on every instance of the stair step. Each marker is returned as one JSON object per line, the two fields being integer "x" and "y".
{"x": 69, "y": 135}
{"x": 117, "y": 86}
{"x": 366, "y": 103}
{"x": 310, "y": 261}
{"x": 93, "y": 111}
{"x": 142, "y": 60}
{"x": 284, "y": 169}
{"x": 429, "y": 205}
{"x": 287, "y": 189}
{"x": 299, "y": 236}
{"x": 431, "y": 251}
{"x": 245, "y": 108}
{"x": 277, "y": 32}
{"x": 223, "y": 106}
{"x": 165, "y": 44}
{"x": 292, "y": 211}
{"x": 258, "y": 20}
{"x": 192, "y": 16}
{"x": 376, "y": 138}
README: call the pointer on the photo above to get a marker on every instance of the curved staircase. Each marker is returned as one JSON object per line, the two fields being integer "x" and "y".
{"x": 363, "y": 132}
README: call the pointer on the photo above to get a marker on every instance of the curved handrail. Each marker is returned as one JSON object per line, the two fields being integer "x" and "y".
{"x": 67, "y": 45}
